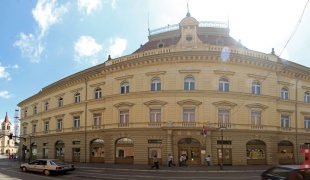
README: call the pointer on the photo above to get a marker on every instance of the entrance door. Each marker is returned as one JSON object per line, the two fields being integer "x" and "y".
{"x": 227, "y": 159}
{"x": 76, "y": 152}
{"x": 191, "y": 149}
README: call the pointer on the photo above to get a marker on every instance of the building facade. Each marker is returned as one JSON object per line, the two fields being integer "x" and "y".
{"x": 253, "y": 106}
{"x": 7, "y": 143}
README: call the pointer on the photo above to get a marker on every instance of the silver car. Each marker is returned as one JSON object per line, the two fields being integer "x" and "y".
{"x": 47, "y": 166}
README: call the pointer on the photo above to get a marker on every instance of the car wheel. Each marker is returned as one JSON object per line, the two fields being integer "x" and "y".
{"x": 24, "y": 169}
{"x": 47, "y": 172}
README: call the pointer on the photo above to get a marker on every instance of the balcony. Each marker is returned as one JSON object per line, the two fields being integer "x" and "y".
{"x": 285, "y": 129}
{"x": 96, "y": 127}
{"x": 226, "y": 125}
{"x": 46, "y": 132}
{"x": 188, "y": 124}
{"x": 75, "y": 128}
{"x": 123, "y": 125}
{"x": 155, "y": 124}
{"x": 257, "y": 127}
{"x": 58, "y": 130}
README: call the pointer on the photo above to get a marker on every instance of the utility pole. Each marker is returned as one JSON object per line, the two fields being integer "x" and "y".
{"x": 16, "y": 123}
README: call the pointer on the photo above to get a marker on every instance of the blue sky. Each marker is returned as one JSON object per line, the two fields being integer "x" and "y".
{"x": 43, "y": 41}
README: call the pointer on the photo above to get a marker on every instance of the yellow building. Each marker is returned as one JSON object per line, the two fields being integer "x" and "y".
{"x": 255, "y": 106}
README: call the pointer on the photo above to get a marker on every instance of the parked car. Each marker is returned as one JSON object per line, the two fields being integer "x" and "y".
{"x": 287, "y": 172}
{"x": 47, "y": 166}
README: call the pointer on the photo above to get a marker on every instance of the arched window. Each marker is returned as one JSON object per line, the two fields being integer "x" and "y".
{"x": 46, "y": 106}
{"x": 256, "y": 87}
{"x": 121, "y": 153}
{"x": 223, "y": 84}
{"x": 35, "y": 110}
{"x": 97, "y": 93}
{"x": 189, "y": 83}
{"x": 307, "y": 97}
{"x": 60, "y": 102}
{"x": 155, "y": 84}
{"x": 124, "y": 88}
{"x": 77, "y": 97}
{"x": 284, "y": 93}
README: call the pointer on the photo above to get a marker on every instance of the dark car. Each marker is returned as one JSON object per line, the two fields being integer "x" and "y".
{"x": 286, "y": 172}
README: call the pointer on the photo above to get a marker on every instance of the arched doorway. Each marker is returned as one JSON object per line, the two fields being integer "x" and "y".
{"x": 59, "y": 150}
{"x": 285, "y": 152}
{"x": 97, "y": 150}
{"x": 33, "y": 151}
{"x": 124, "y": 152}
{"x": 256, "y": 152}
{"x": 191, "y": 149}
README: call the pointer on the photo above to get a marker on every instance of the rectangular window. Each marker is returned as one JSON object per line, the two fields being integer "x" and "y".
{"x": 35, "y": 110}
{"x": 224, "y": 116}
{"x": 76, "y": 121}
{"x": 25, "y": 113}
{"x": 188, "y": 115}
{"x": 285, "y": 121}
{"x": 124, "y": 116}
{"x": 256, "y": 118}
{"x": 46, "y": 126}
{"x": 307, "y": 123}
{"x": 25, "y": 130}
{"x": 59, "y": 123}
{"x": 34, "y": 129}
{"x": 60, "y": 102}
{"x": 155, "y": 115}
{"x": 97, "y": 119}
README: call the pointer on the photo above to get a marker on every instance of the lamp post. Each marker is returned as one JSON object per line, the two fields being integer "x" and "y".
{"x": 222, "y": 148}
{"x": 30, "y": 148}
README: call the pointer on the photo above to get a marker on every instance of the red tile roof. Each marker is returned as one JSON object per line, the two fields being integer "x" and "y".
{"x": 6, "y": 119}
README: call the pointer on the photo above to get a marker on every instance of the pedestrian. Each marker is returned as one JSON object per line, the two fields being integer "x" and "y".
{"x": 155, "y": 160}
{"x": 170, "y": 160}
{"x": 10, "y": 157}
{"x": 208, "y": 160}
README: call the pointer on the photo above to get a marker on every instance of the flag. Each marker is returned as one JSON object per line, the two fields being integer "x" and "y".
{"x": 204, "y": 130}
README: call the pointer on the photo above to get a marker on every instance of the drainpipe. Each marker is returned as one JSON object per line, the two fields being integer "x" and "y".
{"x": 85, "y": 119}
{"x": 296, "y": 136}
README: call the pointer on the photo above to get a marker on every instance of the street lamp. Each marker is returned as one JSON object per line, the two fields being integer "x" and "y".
{"x": 30, "y": 148}
{"x": 222, "y": 149}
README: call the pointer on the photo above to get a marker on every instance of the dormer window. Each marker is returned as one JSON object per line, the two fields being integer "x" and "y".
{"x": 219, "y": 42}
{"x": 161, "y": 45}
{"x": 189, "y": 38}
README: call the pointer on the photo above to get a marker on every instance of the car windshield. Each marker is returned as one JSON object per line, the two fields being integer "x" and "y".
{"x": 57, "y": 162}
{"x": 280, "y": 172}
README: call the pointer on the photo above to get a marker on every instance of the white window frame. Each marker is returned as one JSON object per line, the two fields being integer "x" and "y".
{"x": 46, "y": 126}
{"x": 189, "y": 83}
{"x": 256, "y": 87}
{"x": 77, "y": 97}
{"x": 224, "y": 85}
{"x": 156, "y": 84}
{"x": 155, "y": 115}
{"x": 25, "y": 130}
{"x": 125, "y": 88}
{"x": 284, "y": 93}
{"x": 224, "y": 116}
{"x": 98, "y": 93}
{"x": 59, "y": 123}
{"x": 307, "y": 122}
{"x": 46, "y": 106}
{"x": 124, "y": 116}
{"x": 76, "y": 121}
{"x": 307, "y": 97}
{"x": 256, "y": 118}
{"x": 189, "y": 114}
{"x": 34, "y": 128}
{"x": 285, "y": 121}
{"x": 97, "y": 119}
{"x": 60, "y": 102}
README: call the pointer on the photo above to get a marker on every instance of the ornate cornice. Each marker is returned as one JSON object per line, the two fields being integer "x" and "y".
{"x": 305, "y": 113}
{"x": 155, "y": 102}
{"x": 46, "y": 119}
{"x": 123, "y": 104}
{"x": 59, "y": 115}
{"x": 285, "y": 111}
{"x": 34, "y": 121}
{"x": 125, "y": 77}
{"x": 59, "y": 95}
{"x": 306, "y": 88}
{"x": 97, "y": 84}
{"x": 254, "y": 76}
{"x": 34, "y": 104}
{"x": 226, "y": 73}
{"x": 46, "y": 100}
{"x": 155, "y": 73}
{"x": 190, "y": 71}
{"x": 76, "y": 90}
{"x": 224, "y": 103}
{"x": 285, "y": 83}
{"x": 256, "y": 105}
{"x": 189, "y": 102}
{"x": 97, "y": 109}
{"x": 76, "y": 113}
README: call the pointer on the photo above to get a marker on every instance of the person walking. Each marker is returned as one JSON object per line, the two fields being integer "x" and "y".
{"x": 155, "y": 160}
{"x": 170, "y": 160}
{"x": 208, "y": 160}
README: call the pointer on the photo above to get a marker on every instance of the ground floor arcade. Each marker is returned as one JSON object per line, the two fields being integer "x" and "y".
{"x": 139, "y": 147}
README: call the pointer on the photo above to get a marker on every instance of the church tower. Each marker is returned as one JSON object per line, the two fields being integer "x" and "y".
{"x": 7, "y": 145}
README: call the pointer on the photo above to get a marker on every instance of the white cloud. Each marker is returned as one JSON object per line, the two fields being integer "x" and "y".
{"x": 5, "y": 94}
{"x": 4, "y": 73}
{"x": 30, "y": 47}
{"x": 89, "y": 5}
{"x": 117, "y": 47}
{"x": 87, "y": 49}
{"x": 113, "y": 4}
{"x": 47, "y": 13}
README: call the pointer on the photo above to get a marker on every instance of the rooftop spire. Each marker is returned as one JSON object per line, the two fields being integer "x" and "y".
{"x": 6, "y": 119}
{"x": 188, "y": 14}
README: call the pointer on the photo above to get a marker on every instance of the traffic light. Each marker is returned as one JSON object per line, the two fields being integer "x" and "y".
{"x": 11, "y": 136}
